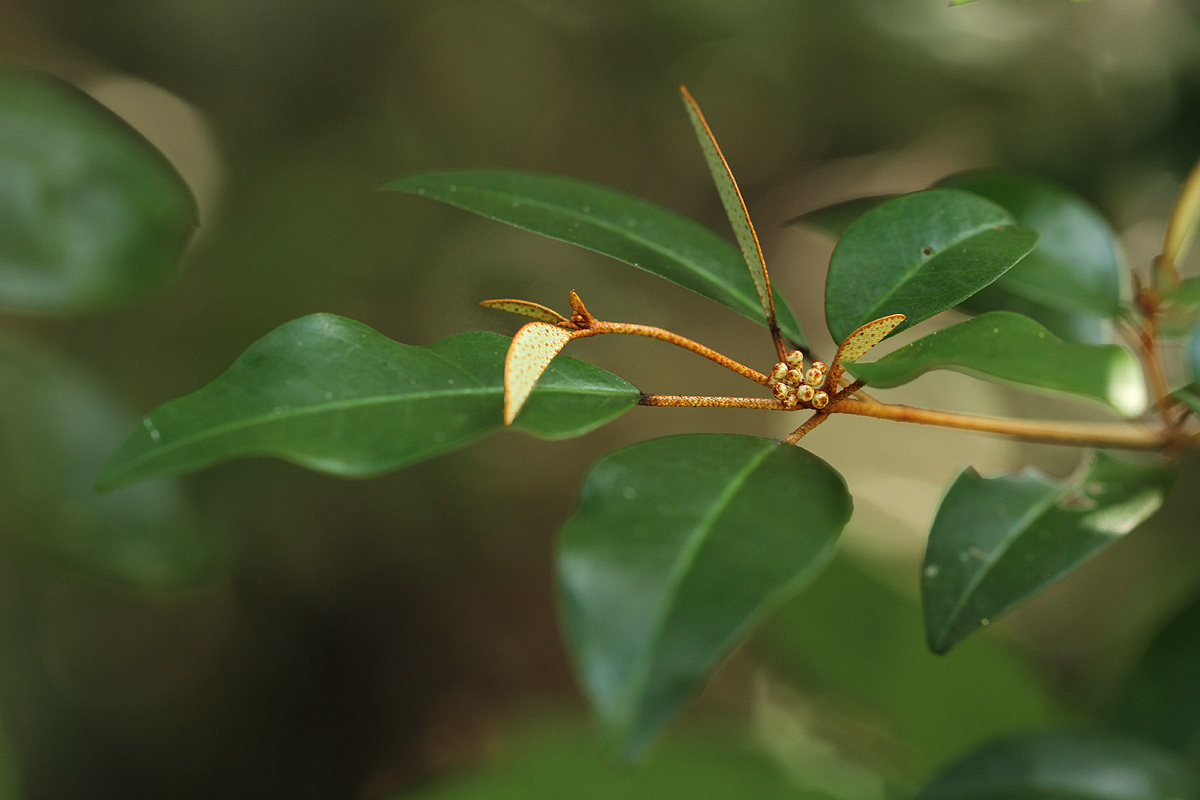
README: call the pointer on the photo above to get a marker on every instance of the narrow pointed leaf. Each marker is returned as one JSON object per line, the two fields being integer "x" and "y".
{"x": 58, "y": 428}
{"x": 996, "y": 542}
{"x": 735, "y": 206}
{"x": 333, "y": 395}
{"x": 1159, "y": 702}
{"x": 678, "y": 547}
{"x": 531, "y": 351}
{"x": 864, "y": 339}
{"x": 91, "y": 214}
{"x": 1185, "y": 216}
{"x": 526, "y": 309}
{"x": 1015, "y": 349}
{"x": 833, "y": 220}
{"x": 919, "y": 255}
{"x": 1076, "y": 266}
{"x": 616, "y": 224}
{"x": 1064, "y": 766}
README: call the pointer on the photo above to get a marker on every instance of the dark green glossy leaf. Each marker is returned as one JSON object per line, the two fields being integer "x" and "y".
{"x": 560, "y": 760}
{"x": 1076, "y": 266}
{"x": 1016, "y": 349}
{"x": 678, "y": 547}
{"x": 996, "y": 542}
{"x": 833, "y": 220}
{"x": 919, "y": 255}
{"x": 1063, "y": 766}
{"x": 91, "y": 214}
{"x": 1159, "y": 702}
{"x": 1078, "y": 328}
{"x": 58, "y": 428}
{"x": 616, "y": 224}
{"x": 333, "y": 395}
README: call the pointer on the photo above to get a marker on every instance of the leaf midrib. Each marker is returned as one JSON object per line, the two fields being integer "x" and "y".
{"x": 687, "y": 557}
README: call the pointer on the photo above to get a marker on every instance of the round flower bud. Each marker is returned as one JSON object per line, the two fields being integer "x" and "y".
{"x": 794, "y": 377}
{"x": 789, "y": 402}
{"x": 820, "y": 400}
{"x": 795, "y": 359}
{"x": 815, "y": 374}
{"x": 780, "y": 391}
{"x": 806, "y": 393}
{"x": 779, "y": 370}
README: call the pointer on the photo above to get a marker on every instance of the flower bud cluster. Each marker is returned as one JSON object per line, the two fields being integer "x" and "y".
{"x": 795, "y": 386}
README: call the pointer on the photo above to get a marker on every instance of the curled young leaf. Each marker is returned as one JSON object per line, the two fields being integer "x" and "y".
{"x": 859, "y": 343}
{"x": 533, "y": 348}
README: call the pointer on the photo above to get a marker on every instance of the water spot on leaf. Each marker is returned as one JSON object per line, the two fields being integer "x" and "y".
{"x": 629, "y": 493}
{"x": 153, "y": 431}
{"x": 931, "y": 571}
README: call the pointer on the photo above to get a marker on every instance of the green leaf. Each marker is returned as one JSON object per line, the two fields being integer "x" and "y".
{"x": 561, "y": 759}
{"x": 1063, "y": 766}
{"x": 333, "y": 395}
{"x": 616, "y": 224}
{"x": 91, "y": 215}
{"x": 1078, "y": 328}
{"x": 996, "y": 542}
{"x": 833, "y": 220}
{"x": 1159, "y": 702}
{"x": 678, "y": 547}
{"x": 1016, "y": 349}
{"x": 58, "y": 428}
{"x": 1076, "y": 266}
{"x": 919, "y": 255}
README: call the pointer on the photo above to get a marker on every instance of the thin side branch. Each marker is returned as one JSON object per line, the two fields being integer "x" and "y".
{"x": 704, "y": 401}
{"x": 599, "y": 327}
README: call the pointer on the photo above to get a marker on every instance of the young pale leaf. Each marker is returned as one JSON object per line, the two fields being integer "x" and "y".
{"x": 91, "y": 215}
{"x": 616, "y": 224}
{"x": 735, "y": 206}
{"x": 996, "y": 542}
{"x": 679, "y": 546}
{"x": 1015, "y": 349}
{"x": 919, "y": 255}
{"x": 1076, "y": 266}
{"x": 1159, "y": 702}
{"x": 58, "y": 428}
{"x": 1185, "y": 217}
{"x": 333, "y": 395}
{"x": 1064, "y": 766}
{"x": 861, "y": 342}
{"x": 531, "y": 351}
{"x": 833, "y": 220}
{"x": 526, "y": 309}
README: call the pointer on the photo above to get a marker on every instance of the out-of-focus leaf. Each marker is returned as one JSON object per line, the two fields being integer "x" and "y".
{"x": 1185, "y": 216}
{"x": 1159, "y": 702}
{"x": 10, "y": 769}
{"x": 678, "y": 547}
{"x": 1064, "y": 766}
{"x": 333, "y": 395}
{"x": 57, "y": 429}
{"x": 1016, "y": 349}
{"x": 616, "y": 224}
{"x": 857, "y": 642}
{"x": 919, "y": 255}
{"x": 1076, "y": 266}
{"x": 91, "y": 215}
{"x": 559, "y": 760}
{"x": 833, "y": 220}
{"x": 996, "y": 542}
{"x": 1078, "y": 328}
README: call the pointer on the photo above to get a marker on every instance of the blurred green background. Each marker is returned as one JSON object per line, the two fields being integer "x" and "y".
{"x": 355, "y": 639}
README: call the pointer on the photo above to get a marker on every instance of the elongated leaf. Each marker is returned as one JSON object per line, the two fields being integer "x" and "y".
{"x": 1078, "y": 328}
{"x": 735, "y": 206}
{"x": 526, "y": 309}
{"x": 1076, "y": 266}
{"x": 996, "y": 542}
{"x": 1159, "y": 702}
{"x": 1064, "y": 766}
{"x": 919, "y": 255}
{"x": 1185, "y": 216}
{"x": 1016, "y": 349}
{"x": 91, "y": 215}
{"x": 616, "y": 224}
{"x": 333, "y": 395}
{"x": 833, "y": 220}
{"x": 678, "y": 547}
{"x": 532, "y": 349}
{"x": 58, "y": 428}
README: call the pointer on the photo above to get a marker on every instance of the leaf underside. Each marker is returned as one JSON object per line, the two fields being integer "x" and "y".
{"x": 334, "y": 395}
{"x": 996, "y": 542}
{"x": 532, "y": 349}
{"x": 678, "y": 547}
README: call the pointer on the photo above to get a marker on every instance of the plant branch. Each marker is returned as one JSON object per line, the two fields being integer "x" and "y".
{"x": 705, "y": 401}
{"x": 599, "y": 327}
